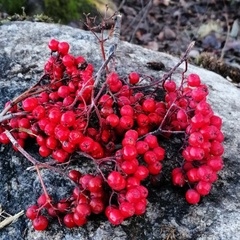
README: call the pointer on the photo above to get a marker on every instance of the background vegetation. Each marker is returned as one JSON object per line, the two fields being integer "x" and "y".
{"x": 59, "y": 10}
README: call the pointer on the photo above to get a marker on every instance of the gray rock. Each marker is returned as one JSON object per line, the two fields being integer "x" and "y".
{"x": 23, "y": 54}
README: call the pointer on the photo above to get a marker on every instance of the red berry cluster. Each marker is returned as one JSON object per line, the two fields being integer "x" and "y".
{"x": 203, "y": 148}
{"x": 115, "y": 126}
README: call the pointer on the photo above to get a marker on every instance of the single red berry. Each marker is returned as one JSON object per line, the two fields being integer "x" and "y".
{"x": 40, "y": 223}
{"x": 142, "y": 147}
{"x": 115, "y": 216}
{"x": 75, "y": 136}
{"x": 149, "y": 105}
{"x": 68, "y": 118}
{"x": 97, "y": 205}
{"x": 193, "y": 80}
{"x": 38, "y": 112}
{"x": 69, "y": 221}
{"x": 51, "y": 142}
{"x": 140, "y": 207}
{"x": 29, "y": 104}
{"x": 126, "y": 122}
{"x": 178, "y": 179}
{"x": 142, "y": 120}
{"x": 83, "y": 209}
{"x": 133, "y": 195}
{"x": 192, "y": 196}
{"x": 95, "y": 184}
{"x": 32, "y": 212}
{"x": 170, "y": 86}
{"x": 151, "y": 141}
{"x": 63, "y": 48}
{"x": 129, "y": 167}
{"x": 116, "y": 181}
{"x": 60, "y": 155}
{"x": 203, "y": 188}
{"x": 155, "y": 168}
{"x": 133, "y": 78}
{"x": 126, "y": 110}
{"x": 86, "y": 145}
{"x": 127, "y": 209}
{"x": 215, "y": 162}
{"x": 192, "y": 175}
{"x": 44, "y": 151}
{"x": 205, "y": 173}
{"x": 68, "y": 60}
{"x": 129, "y": 152}
{"x": 74, "y": 175}
{"x": 63, "y": 91}
{"x": 217, "y": 148}
{"x": 141, "y": 173}
{"x": 53, "y": 45}
{"x": 44, "y": 200}
{"x": 112, "y": 120}
{"x": 78, "y": 219}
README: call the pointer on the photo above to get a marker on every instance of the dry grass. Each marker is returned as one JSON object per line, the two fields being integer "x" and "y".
{"x": 6, "y": 218}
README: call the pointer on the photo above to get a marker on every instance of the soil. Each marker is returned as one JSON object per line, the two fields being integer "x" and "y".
{"x": 170, "y": 26}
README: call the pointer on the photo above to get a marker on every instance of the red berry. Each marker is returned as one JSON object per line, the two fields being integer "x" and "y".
{"x": 133, "y": 78}
{"x": 129, "y": 167}
{"x": 149, "y": 105}
{"x": 192, "y": 175}
{"x": 115, "y": 216}
{"x": 140, "y": 207}
{"x": 193, "y": 80}
{"x": 83, "y": 209}
{"x": 155, "y": 168}
{"x": 60, "y": 155}
{"x": 69, "y": 221}
{"x": 170, "y": 86}
{"x": 133, "y": 195}
{"x": 40, "y": 223}
{"x": 116, "y": 181}
{"x": 32, "y": 212}
{"x": 53, "y": 45}
{"x": 68, "y": 118}
{"x": 127, "y": 209}
{"x": 203, "y": 188}
{"x": 192, "y": 196}
{"x": 74, "y": 175}
{"x": 44, "y": 200}
{"x": 97, "y": 205}
{"x": 112, "y": 120}
{"x": 95, "y": 184}
{"x": 141, "y": 173}
{"x": 63, "y": 48}
{"x": 142, "y": 147}
{"x": 129, "y": 152}
{"x": 178, "y": 179}
{"x": 126, "y": 122}
{"x": 29, "y": 104}
{"x": 78, "y": 219}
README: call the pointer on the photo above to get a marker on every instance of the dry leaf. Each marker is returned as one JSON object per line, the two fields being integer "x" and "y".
{"x": 206, "y": 29}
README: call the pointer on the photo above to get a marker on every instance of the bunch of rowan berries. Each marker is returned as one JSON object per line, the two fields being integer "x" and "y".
{"x": 115, "y": 125}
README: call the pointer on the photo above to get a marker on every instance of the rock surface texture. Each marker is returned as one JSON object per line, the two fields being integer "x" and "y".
{"x": 23, "y": 54}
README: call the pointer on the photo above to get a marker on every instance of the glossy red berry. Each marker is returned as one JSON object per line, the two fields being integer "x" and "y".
{"x": 63, "y": 48}
{"x": 53, "y": 45}
{"x": 192, "y": 196}
{"x": 116, "y": 181}
{"x": 32, "y": 212}
{"x": 40, "y": 223}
